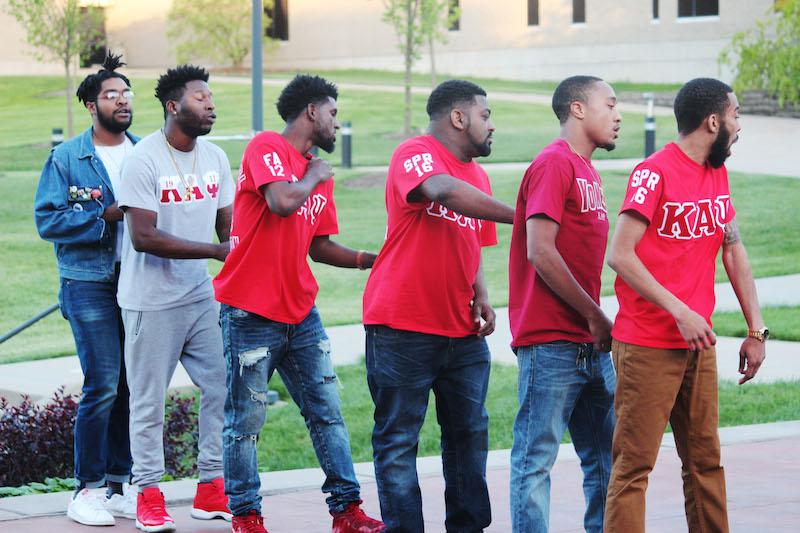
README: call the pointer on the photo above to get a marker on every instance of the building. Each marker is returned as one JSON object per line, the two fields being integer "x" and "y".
{"x": 635, "y": 40}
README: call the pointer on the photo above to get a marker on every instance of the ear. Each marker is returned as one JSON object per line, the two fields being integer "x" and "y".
{"x": 311, "y": 112}
{"x": 713, "y": 123}
{"x": 459, "y": 119}
{"x": 577, "y": 109}
{"x": 92, "y": 107}
{"x": 172, "y": 107}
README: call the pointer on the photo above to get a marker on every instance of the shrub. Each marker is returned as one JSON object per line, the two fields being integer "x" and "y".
{"x": 36, "y": 442}
{"x": 180, "y": 436}
{"x": 768, "y": 57}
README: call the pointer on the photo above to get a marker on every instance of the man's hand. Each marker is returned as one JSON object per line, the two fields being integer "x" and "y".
{"x": 112, "y": 213}
{"x": 318, "y": 170}
{"x": 600, "y": 328}
{"x": 695, "y": 330}
{"x": 222, "y": 251}
{"x": 751, "y": 355}
{"x": 482, "y": 309}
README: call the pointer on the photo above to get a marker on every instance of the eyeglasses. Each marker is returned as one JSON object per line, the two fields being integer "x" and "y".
{"x": 114, "y": 95}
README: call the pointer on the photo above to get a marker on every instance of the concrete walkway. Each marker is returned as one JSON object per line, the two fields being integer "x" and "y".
{"x": 760, "y": 466}
{"x": 40, "y": 379}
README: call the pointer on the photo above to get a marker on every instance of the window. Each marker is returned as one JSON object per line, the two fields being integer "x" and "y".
{"x": 533, "y": 12}
{"x": 655, "y": 9}
{"x": 454, "y": 15}
{"x": 279, "y": 25}
{"x": 698, "y": 8}
{"x": 578, "y": 11}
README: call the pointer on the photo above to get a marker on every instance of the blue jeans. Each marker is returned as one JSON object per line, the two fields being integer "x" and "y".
{"x": 254, "y": 348}
{"x": 402, "y": 369}
{"x": 102, "y": 445}
{"x": 561, "y": 385}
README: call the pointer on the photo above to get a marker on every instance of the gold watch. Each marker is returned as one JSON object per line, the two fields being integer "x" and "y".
{"x": 761, "y": 335}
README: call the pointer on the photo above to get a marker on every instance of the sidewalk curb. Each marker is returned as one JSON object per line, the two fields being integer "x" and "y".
{"x": 287, "y": 481}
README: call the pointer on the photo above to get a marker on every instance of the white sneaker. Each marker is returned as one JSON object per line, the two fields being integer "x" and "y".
{"x": 87, "y": 508}
{"x": 122, "y": 506}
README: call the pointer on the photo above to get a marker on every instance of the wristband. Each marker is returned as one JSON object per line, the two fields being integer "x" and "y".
{"x": 359, "y": 259}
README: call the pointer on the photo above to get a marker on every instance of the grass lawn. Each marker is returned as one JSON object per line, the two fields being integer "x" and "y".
{"x": 385, "y": 77}
{"x": 31, "y": 106}
{"x": 784, "y": 323}
{"x": 29, "y": 280}
{"x": 285, "y": 444}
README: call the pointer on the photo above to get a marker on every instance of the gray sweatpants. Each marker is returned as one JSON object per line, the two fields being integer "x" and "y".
{"x": 154, "y": 343}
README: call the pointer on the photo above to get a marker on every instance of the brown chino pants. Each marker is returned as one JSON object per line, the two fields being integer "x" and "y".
{"x": 655, "y": 386}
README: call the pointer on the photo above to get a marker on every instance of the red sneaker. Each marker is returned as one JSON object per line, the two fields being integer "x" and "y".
{"x": 252, "y": 522}
{"x": 210, "y": 501}
{"x": 151, "y": 511}
{"x": 354, "y": 520}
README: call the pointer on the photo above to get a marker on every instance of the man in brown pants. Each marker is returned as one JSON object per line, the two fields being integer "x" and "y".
{"x": 675, "y": 217}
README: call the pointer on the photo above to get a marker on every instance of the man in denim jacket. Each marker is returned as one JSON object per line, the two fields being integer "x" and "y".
{"x": 76, "y": 210}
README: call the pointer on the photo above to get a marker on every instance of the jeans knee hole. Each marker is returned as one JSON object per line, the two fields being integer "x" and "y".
{"x": 324, "y": 346}
{"x": 250, "y": 358}
{"x": 258, "y": 396}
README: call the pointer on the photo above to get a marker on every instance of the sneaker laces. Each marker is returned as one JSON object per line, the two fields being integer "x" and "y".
{"x": 252, "y": 522}
{"x": 356, "y": 514}
{"x": 155, "y": 502}
{"x": 93, "y": 499}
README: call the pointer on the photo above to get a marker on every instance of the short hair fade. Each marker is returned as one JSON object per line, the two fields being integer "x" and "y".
{"x": 698, "y": 99}
{"x": 303, "y": 90}
{"x": 450, "y": 93}
{"x": 90, "y": 87}
{"x": 572, "y": 89}
{"x": 171, "y": 85}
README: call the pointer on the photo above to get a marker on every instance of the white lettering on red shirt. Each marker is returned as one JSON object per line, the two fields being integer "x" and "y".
{"x": 693, "y": 220}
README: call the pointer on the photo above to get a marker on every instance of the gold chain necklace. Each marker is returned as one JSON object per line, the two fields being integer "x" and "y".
{"x": 187, "y": 195}
{"x": 592, "y": 171}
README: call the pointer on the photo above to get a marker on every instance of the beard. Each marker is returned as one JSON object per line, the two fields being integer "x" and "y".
{"x": 609, "y": 146}
{"x": 322, "y": 141}
{"x": 191, "y": 124}
{"x": 326, "y": 144}
{"x": 110, "y": 122}
{"x": 483, "y": 149}
{"x": 720, "y": 149}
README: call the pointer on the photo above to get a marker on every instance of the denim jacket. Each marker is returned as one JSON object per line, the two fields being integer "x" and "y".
{"x": 69, "y": 217}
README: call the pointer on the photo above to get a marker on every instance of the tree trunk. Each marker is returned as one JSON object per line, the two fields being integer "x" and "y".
{"x": 410, "y": 16}
{"x": 70, "y": 85}
{"x": 433, "y": 60}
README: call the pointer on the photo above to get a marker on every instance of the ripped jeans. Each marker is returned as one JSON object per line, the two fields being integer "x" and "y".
{"x": 254, "y": 348}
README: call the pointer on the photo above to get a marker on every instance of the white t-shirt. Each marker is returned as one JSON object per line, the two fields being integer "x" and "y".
{"x": 112, "y": 158}
{"x": 150, "y": 181}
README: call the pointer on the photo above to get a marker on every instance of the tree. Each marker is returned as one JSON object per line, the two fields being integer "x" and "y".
{"x": 218, "y": 30}
{"x": 416, "y": 22}
{"x": 438, "y": 17}
{"x": 60, "y": 30}
{"x": 768, "y": 57}
{"x": 404, "y": 16}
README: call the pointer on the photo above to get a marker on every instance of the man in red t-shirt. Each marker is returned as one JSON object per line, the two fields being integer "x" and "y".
{"x": 284, "y": 212}
{"x": 560, "y": 335}
{"x": 423, "y": 306}
{"x": 675, "y": 216}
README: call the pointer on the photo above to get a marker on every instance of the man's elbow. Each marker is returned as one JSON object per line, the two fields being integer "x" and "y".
{"x": 540, "y": 256}
{"x": 280, "y": 207}
{"x": 616, "y": 260}
{"x": 141, "y": 243}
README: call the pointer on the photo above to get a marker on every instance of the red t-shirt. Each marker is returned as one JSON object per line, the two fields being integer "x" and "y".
{"x": 267, "y": 270}
{"x": 422, "y": 280}
{"x": 564, "y": 187}
{"x": 687, "y": 206}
